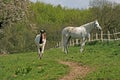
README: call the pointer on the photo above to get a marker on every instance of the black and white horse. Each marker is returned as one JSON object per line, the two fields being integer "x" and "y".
{"x": 40, "y": 41}
{"x": 81, "y": 32}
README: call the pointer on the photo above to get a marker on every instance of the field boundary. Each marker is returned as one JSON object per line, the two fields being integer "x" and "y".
{"x": 102, "y": 36}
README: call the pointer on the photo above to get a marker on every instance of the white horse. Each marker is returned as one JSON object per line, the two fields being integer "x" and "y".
{"x": 40, "y": 41}
{"x": 81, "y": 32}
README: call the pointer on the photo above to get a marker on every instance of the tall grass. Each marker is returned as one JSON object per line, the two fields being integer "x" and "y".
{"x": 102, "y": 58}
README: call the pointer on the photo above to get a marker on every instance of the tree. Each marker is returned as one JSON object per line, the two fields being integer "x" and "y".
{"x": 105, "y": 12}
{"x": 13, "y": 13}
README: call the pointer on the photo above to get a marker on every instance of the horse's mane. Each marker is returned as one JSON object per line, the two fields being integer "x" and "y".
{"x": 86, "y": 25}
{"x": 89, "y": 26}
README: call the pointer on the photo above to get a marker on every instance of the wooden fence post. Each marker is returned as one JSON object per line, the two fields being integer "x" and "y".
{"x": 96, "y": 36}
{"x": 91, "y": 36}
{"x": 115, "y": 34}
{"x": 73, "y": 43}
{"x": 76, "y": 41}
{"x": 102, "y": 36}
{"x": 58, "y": 45}
{"x": 108, "y": 35}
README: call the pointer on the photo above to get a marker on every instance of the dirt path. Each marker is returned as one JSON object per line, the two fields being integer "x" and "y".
{"x": 76, "y": 70}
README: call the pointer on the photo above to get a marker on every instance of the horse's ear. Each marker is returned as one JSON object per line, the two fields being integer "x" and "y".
{"x": 96, "y": 21}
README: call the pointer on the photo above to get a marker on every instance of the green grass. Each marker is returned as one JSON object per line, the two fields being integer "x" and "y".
{"x": 103, "y": 58}
{"x": 27, "y": 66}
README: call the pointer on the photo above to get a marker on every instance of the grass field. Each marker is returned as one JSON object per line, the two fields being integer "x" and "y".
{"x": 103, "y": 58}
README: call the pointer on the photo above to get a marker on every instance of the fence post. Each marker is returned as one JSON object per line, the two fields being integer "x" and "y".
{"x": 108, "y": 35}
{"x": 73, "y": 43}
{"x": 96, "y": 36}
{"x": 102, "y": 36}
{"x": 116, "y": 34}
{"x": 58, "y": 45}
{"x": 91, "y": 36}
{"x": 76, "y": 41}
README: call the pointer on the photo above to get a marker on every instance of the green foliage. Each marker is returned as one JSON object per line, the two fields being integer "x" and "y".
{"x": 23, "y": 70}
{"x": 17, "y": 38}
{"x": 14, "y": 28}
{"x": 12, "y": 11}
{"x": 107, "y": 14}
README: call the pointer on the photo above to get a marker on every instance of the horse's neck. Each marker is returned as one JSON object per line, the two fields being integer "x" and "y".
{"x": 89, "y": 27}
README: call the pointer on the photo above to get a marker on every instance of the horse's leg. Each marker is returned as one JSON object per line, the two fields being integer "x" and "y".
{"x": 43, "y": 48}
{"x": 65, "y": 44}
{"x": 39, "y": 52}
{"x": 40, "y": 55}
{"x": 82, "y": 45}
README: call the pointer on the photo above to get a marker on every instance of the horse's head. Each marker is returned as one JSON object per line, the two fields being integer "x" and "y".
{"x": 42, "y": 36}
{"x": 42, "y": 31}
{"x": 97, "y": 25}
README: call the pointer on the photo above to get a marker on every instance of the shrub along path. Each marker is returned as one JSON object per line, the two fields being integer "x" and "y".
{"x": 76, "y": 70}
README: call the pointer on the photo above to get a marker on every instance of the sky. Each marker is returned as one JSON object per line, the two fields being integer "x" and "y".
{"x": 79, "y": 4}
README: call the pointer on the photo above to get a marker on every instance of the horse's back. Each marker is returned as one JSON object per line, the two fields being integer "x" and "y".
{"x": 74, "y": 32}
{"x": 73, "y": 29}
{"x": 67, "y": 29}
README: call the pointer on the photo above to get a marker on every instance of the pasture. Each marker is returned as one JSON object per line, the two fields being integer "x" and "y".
{"x": 103, "y": 58}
